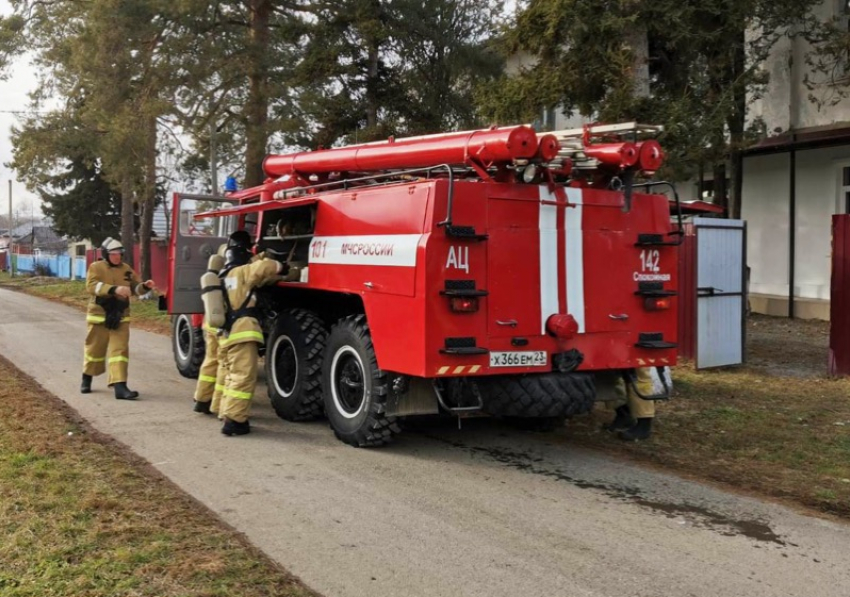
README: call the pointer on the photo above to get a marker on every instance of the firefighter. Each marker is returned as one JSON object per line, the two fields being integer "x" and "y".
{"x": 110, "y": 282}
{"x": 239, "y": 346}
{"x": 207, "y": 391}
{"x": 633, "y": 419}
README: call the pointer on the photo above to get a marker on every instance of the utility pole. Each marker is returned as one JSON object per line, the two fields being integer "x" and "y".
{"x": 213, "y": 158}
{"x": 9, "y": 247}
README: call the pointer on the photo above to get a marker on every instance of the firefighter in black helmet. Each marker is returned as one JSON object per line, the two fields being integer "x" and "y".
{"x": 110, "y": 282}
{"x": 239, "y": 346}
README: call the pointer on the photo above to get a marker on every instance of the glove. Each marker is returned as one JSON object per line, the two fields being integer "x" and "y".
{"x": 281, "y": 257}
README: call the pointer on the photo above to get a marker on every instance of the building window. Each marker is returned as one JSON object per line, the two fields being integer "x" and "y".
{"x": 844, "y": 193}
{"x": 80, "y": 251}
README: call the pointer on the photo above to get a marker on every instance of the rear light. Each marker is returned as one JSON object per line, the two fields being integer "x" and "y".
{"x": 656, "y": 303}
{"x": 562, "y": 326}
{"x": 464, "y": 304}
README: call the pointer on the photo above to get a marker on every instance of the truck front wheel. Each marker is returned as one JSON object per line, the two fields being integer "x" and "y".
{"x": 355, "y": 389}
{"x": 294, "y": 365}
{"x": 187, "y": 343}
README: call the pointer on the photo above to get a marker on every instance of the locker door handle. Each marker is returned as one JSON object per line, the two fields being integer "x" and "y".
{"x": 708, "y": 291}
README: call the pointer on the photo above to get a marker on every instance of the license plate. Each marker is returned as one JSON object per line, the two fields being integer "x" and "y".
{"x": 535, "y": 358}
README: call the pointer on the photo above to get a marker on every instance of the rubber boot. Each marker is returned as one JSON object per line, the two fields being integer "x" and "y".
{"x": 122, "y": 392}
{"x": 641, "y": 430}
{"x": 231, "y": 427}
{"x": 202, "y": 407}
{"x": 623, "y": 419}
{"x": 85, "y": 386}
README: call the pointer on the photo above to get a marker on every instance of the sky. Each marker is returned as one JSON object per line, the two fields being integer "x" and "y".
{"x": 13, "y": 98}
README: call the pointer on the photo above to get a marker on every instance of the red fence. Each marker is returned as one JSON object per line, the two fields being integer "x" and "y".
{"x": 839, "y": 313}
{"x": 687, "y": 294}
{"x": 4, "y": 265}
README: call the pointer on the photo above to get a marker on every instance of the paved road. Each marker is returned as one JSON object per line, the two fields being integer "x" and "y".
{"x": 483, "y": 511}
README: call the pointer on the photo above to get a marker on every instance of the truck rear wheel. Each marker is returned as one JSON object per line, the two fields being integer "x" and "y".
{"x": 547, "y": 396}
{"x": 355, "y": 389}
{"x": 187, "y": 343}
{"x": 294, "y": 365}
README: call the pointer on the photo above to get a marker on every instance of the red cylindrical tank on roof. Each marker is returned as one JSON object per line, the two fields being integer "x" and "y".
{"x": 548, "y": 148}
{"x": 495, "y": 145}
{"x": 621, "y": 155}
{"x": 650, "y": 155}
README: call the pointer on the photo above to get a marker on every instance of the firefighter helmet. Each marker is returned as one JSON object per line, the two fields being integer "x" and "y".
{"x": 109, "y": 245}
{"x": 238, "y": 251}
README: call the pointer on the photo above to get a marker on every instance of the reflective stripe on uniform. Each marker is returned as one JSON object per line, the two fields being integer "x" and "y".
{"x": 98, "y": 287}
{"x": 238, "y": 394}
{"x": 241, "y": 336}
{"x": 211, "y": 329}
{"x": 206, "y": 378}
{"x": 125, "y": 319}
{"x": 92, "y": 359}
{"x": 219, "y": 387}
{"x": 119, "y": 359}
{"x": 95, "y": 319}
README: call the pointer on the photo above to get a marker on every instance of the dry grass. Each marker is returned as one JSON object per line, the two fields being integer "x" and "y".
{"x": 80, "y": 515}
{"x": 777, "y": 426}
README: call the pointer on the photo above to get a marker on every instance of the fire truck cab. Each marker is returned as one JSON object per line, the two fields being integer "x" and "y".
{"x": 496, "y": 272}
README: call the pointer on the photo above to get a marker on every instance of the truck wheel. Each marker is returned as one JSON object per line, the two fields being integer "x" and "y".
{"x": 355, "y": 389}
{"x": 294, "y": 365}
{"x": 542, "y": 396}
{"x": 187, "y": 343}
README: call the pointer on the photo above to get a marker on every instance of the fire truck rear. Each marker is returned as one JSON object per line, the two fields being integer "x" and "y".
{"x": 496, "y": 272}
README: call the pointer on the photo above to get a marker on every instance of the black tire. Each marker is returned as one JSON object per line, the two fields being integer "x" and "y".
{"x": 294, "y": 354}
{"x": 187, "y": 343}
{"x": 544, "y": 395}
{"x": 355, "y": 389}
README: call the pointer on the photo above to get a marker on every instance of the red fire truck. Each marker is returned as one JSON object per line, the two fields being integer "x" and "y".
{"x": 496, "y": 271}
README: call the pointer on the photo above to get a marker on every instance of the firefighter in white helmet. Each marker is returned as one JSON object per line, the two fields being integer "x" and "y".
{"x": 110, "y": 282}
{"x": 239, "y": 352}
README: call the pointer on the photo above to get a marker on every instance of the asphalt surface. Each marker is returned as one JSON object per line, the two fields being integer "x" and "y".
{"x": 480, "y": 511}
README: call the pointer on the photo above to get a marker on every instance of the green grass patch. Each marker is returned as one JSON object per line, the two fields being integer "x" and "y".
{"x": 80, "y": 517}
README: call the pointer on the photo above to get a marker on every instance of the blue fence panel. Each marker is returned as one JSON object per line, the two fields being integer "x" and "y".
{"x": 63, "y": 266}
{"x": 25, "y": 263}
{"x": 80, "y": 269}
{"x": 59, "y": 265}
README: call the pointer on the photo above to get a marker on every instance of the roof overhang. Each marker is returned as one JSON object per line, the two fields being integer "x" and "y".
{"x": 808, "y": 138}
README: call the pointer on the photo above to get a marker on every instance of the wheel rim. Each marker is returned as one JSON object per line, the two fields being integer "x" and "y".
{"x": 284, "y": 366}
{"x": 348, "y": 382}
{"x": 184, "y": 337}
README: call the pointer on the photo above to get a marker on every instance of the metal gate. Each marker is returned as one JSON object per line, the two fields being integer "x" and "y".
{"x": 721, "y": 296}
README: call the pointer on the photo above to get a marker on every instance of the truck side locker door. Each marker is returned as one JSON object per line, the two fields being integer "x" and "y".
{"x": 192, "y": 243}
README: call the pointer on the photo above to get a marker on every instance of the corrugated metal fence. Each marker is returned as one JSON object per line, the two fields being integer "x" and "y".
{"x": 64, "y": 266}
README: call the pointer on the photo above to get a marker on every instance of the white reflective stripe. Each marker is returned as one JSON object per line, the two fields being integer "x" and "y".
{"x": 575, "y": 257}
{"x": 379, "y": 249}
{"x": 98, "y": 287}
{"x": 548, "y": 258}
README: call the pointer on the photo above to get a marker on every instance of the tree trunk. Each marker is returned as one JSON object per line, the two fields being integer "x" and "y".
{"x": 127, "y": 219}
{"x": 256, "y": 108}
{"x": 149, "y": 199}
{"x": 737, "y": 124}
{"x": 637, "y": 41}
